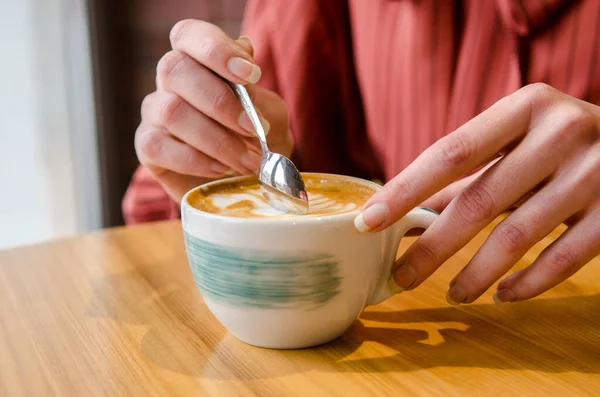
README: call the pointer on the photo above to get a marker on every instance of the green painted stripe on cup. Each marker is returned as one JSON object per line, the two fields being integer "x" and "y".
{"x": 261, "y": 278}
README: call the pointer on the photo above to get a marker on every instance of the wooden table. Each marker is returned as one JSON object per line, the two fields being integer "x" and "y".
{"x": 116, "y": 313}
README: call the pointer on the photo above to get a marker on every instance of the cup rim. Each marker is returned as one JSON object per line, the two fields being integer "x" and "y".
{"x": 295, "y": 219}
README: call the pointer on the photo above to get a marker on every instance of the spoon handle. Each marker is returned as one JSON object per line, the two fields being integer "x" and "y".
{"x": 244, "y": 97}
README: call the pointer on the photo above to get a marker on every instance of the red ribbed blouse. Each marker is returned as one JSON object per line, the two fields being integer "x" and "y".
{"x": 371, "y": 83}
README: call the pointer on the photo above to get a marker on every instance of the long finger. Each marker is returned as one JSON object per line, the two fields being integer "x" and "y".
{"x": 475, "y": 207}
{"x": 210, "y": 94}
{"x": 514, "y": 236}
{"x": 563, "y": 258}
{"x": 201, "y": 132}
{"x": 157, "y": 147}
{"x": 210, "y": 46}
{"x": 470, "y": 146}
{"x": 439, "y": 201}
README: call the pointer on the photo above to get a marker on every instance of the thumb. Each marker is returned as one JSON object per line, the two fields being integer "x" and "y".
{"x": 273, "y": 114}
{"x": 246, "y": 43}
{"x": 272, "y": 107}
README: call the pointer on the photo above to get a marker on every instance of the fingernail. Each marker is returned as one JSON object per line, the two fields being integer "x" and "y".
{"x": 246, "y": 124}
{"x": 249, "y": 40}
{"x": 456, "y": 295}
{"x": 251, "y": 160}
{"x": 266, "y": 125}
{"x": 504, "y": 296}
{"x": 244, "y": 69}
{"x": 405, "y": 276}
{"x": 372, "y": 217}
{"x": 221, "y": 169}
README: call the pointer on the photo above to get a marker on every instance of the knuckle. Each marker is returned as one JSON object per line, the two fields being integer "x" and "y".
{"x": 574, "y": 125}
{"x": 147, "y": 102}
{"x": 402, "y": 190}
{"x": 179, "y": 30}
{"x": 538, "y": 92}
{"x": 512, "y": 237}
{"x": 220, "y": 147}
{"x": 427, "y": 250}
{"x": 562, "y": 261}
{"x": 148, "y": 144}
{"x": 189, "y": 162}
{"x": 171, "y": 110}
{"x": 475, "y": 204}
{"x": 223, "y": 148}
{"x": 215, "y": 49}
{"x": 455, "y": 151}
{"x": 220, "y": 99}
{"x": 167, "y": 66}
{"x": 577, "y": 121}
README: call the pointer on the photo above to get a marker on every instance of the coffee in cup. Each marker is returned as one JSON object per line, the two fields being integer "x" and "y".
{"x": 328, "y": 195}
{"x": 289, "y": 281}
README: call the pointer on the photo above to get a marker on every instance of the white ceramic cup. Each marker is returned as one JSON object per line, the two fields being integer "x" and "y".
{"x": 296, "y": 282}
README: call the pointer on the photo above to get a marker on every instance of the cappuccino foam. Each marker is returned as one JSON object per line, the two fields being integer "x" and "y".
{"x": 327, "y": 195}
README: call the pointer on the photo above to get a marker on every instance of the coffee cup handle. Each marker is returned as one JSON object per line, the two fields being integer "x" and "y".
{"x": 420, "y": 218}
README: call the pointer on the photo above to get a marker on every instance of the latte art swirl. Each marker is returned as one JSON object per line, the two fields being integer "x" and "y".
{"x": 323, "y": 205}
{"x": 253, "y": 204}
{"x": 331, "y": 196}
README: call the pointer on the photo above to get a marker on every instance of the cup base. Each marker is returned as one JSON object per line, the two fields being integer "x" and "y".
{"x": 287, "y": 346}
{"x": 280, "y": 329}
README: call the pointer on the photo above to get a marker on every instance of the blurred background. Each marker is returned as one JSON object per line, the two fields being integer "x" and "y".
{"x": 73, "y": 75}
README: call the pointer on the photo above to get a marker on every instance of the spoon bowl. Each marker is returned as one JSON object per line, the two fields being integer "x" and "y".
{"x": 280, "y": 182}
{"x": 282, "y": 185}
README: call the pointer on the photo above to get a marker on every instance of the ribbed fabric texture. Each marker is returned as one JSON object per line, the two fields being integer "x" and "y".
{"x": 371, "y": 84}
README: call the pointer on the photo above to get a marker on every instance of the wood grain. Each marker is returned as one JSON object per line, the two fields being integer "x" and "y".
{"x": 116, "y": 313}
